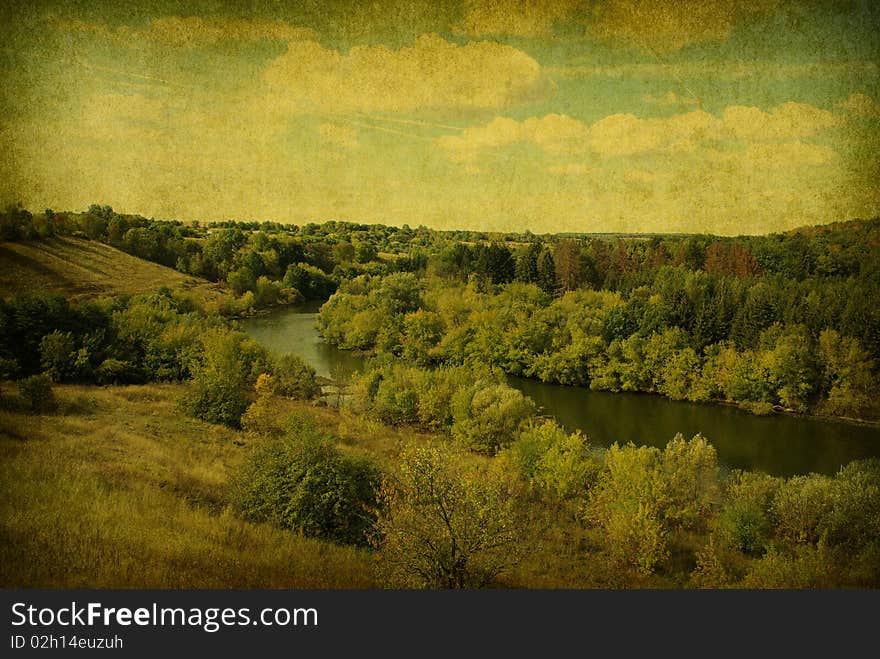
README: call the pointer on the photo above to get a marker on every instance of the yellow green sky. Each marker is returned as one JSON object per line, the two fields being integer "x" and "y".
{"x": 734, "y": 116}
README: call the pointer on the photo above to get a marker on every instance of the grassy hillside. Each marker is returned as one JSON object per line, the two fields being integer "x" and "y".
{"x": 81, "y": 269}
{"x": 117, "y": 489}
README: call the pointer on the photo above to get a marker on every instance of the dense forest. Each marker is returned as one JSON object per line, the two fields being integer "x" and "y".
{"x": 787, "y": 321}
{"x": 476, "y": 489}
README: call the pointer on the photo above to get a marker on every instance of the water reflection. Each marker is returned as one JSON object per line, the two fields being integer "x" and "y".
{"x": 782, "y": 445}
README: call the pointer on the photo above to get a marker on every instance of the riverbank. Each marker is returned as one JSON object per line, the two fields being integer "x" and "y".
{"x": 780, "y": 444}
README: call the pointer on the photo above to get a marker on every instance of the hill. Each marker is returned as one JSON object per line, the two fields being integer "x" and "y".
{"x": 82, "y": 269}
{"x": 116, "y": 488}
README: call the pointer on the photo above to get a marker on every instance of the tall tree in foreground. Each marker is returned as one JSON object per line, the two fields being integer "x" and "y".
{"x": 445, "y": 525}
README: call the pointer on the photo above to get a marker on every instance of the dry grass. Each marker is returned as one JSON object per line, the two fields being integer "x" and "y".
{"x": 117, "y": 489}
{"x": 83, "y": 269}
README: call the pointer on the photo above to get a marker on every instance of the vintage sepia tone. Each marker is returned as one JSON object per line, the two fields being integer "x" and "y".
{"x": 457, "y": 294}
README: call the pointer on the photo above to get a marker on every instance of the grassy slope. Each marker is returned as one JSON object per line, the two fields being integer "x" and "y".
{"x": 119, "y": 489}
{"x": 82, "y": 269}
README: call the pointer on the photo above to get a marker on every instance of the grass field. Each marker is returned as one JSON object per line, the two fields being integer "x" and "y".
{"x": 82, "y": 269}
{"x": 119, "y": 489}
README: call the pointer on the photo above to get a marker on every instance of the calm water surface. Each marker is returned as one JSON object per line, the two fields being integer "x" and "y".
{"x": 781, "y": 445}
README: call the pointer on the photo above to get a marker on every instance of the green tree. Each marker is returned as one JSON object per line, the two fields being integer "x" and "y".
{"x": 219, "y": 390}
{"x": 294, "y": 378}
{"x": 422, "y": 331}
{"x": 527, "y": 263}
{"x": 569, "y": 261}
{"x": 445, "y": 525}
{"x": 548, "y": 457}
{"x": 303, "y": 483}
{"x": 58, "y": 355}
{"x": 364, "y": 252}
{"x": 546, "y": 272}
{"x": 627, "y": 504}
{"x": 846, "y": 374}
{"x": 487, "y": 416}
{"x": 36, "y": 391}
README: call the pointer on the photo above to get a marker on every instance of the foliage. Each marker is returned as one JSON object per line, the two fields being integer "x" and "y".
{"x": 302, "y": 483}
{"x": 547, "y": 457}
{"x": 445, "y": 525}
{"x": 293, "y": 377}
{"x": 744, "y": 522}
{"x": 36, "y": 391}
{"x": 487, "y": 416}
{"x": 643, "y": 495}
{"x": 230, "y": 365}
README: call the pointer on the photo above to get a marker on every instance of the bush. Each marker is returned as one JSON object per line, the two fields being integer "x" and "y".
{"x": 744, "y": 523}
{"x": 742, "y": 526}
{"x": 488, "y": 416}
{"x": 219, "y": 390}
{"x": 803, "y": 508}
{"x": 294, "y": 378}
{"x": 37, "y": 393}
{"x": 303, "y": 483}
{"x": 628, "y": 505}
{"x": 447, "y": 525}
{"x": 546, "y": 456}
{"x": 757, "y": 407}
{"x": 215, "y": 399}
{"x": 262, "y": 417}
{"x": 644, "y": 495}
{"x": 111, "y": 371}
{"x": 57, "y": 355}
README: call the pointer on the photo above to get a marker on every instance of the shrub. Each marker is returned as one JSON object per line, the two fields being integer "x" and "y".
{"x": 303, "y": 483}
{"x": 744, "y": 523}
{"x": 445, "y": 525}
{"x": 645, "y": 494}
{"x": 488, "y": 416}
{"x": 215, "y": 399}
{"x": 628, "y": 505}
{"x": 57, "y": 355}
{"x": 803, "y": 508}
{"x": 757, "y": 407}
{"x": 37, "y": 393}
{"x": 111, "y": 371}
{"x": 219, "y": 390}
{"x": 546, "y": 456}
{"x": 294, "y": 378}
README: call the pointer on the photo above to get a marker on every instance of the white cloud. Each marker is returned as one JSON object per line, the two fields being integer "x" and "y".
{"x": 789, "y": 121}
{"x": 787, "y": 155}
{"x": 429, "y": 75}
{"x": 555, "y": 133}
{"x": 861, "y": 105}
{"x": 623, "y": 134}
{"x": 626, "y": 134}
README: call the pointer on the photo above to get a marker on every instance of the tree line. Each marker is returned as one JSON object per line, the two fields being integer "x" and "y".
{"x": 731, "y": 330}
{"x": 468, "y": 508}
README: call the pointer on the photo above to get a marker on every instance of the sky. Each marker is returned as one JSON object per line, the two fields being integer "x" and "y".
{"x": 727, "y": 117}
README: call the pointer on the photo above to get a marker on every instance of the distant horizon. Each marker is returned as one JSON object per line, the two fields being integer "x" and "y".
{"x": 737, "y": 117}
{"x": 207, "y": 222}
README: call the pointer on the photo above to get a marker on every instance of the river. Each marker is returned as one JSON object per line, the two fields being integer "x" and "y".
{"x": 782, "y": 445}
